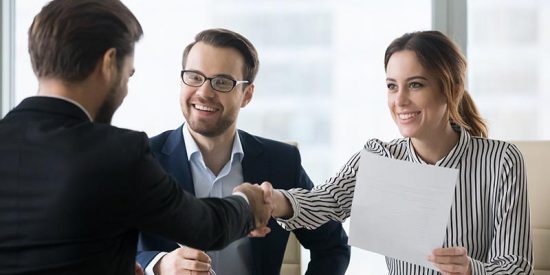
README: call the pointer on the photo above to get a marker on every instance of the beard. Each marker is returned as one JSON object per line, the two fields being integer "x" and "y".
{"x": 110, "y": 104}
{"x": 211, "y": 131}
{"x": 106, "y": 110}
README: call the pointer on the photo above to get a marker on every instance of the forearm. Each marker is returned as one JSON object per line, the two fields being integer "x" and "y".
{"x": 330, "y": 201}
{"x": 311, "y": 209}
{"x": 510, "y": 264}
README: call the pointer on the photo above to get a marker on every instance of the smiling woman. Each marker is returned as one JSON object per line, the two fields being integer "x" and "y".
{"x": 489, "y": 228}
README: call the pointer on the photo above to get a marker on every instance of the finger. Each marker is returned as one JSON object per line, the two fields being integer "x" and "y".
{"x": 452, "y": 269}
{"x": 460, "y": 260}
{"x": 259, "y": 232}
{"x": 193, "y": 254}
{"x": 267, "y": 191}
{"x": 266, "y": 211}
{"x": 241, "y": 186}
{"x": 450, "y": 251}
{"x": 193, "y": 265}
{"x": 138, "y": 269}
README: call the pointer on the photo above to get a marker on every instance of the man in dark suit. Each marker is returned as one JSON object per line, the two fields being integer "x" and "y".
{"x": 209, "y": 156}
{"x": 74, "y": 190}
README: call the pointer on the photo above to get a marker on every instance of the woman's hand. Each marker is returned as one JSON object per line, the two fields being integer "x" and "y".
{"x": 451, "y": 260}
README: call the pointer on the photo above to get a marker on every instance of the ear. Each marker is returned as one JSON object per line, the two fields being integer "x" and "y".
{"x": 108, "y": 65}
{"x": 248, "y": 93}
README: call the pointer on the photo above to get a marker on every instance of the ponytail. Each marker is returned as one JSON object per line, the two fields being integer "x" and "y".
{"x": 468, "y": 117}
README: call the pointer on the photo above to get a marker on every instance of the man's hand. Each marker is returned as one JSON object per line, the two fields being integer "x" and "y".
{"x": 184, "y": 260}
{"x": 451, "y": 260}
{"x": 139, "y": 269}
{"x": 261, "y": 204}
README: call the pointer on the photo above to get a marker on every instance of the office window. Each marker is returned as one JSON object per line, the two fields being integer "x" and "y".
{"x": 321, "y": 81}
{"x": 509, "y": 66}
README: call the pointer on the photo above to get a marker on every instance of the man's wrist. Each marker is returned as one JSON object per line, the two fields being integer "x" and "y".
{"x": 243, "y": 195}
{"x": 153, "y": 267}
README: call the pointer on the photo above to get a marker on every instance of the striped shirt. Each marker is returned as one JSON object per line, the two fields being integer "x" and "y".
{"x": 489, "y": 215}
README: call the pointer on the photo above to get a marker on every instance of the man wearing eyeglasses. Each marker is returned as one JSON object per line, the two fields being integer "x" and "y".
{"x": 210, "y": 156}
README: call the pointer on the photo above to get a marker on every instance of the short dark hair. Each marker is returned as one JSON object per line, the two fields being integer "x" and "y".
{"x": 229, "y": 39}
{"x": 68, "y": 37}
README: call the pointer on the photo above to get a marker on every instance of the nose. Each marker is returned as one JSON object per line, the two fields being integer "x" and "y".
{"x": 402, "y": 97}
{"x": 205, "y": 90}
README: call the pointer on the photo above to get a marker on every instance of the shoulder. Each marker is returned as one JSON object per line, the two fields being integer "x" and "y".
{"x": 120, "y": 145}
{"x": 121, "y": 136}
{"x": 158, "y": 141}
{"x": 386, "y": 149}
{"x": 503, "y": 150}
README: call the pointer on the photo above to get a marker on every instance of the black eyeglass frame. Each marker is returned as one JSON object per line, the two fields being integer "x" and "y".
{"x": 235, "y": 82}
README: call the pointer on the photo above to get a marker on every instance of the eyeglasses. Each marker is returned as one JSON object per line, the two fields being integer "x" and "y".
{"x": 222, "y": 84}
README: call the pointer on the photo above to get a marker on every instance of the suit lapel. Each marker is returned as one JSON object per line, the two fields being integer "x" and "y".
{"x": 175, "y": 153}
{"x": 254, "y": 164}
{"x": 254, "y": 171}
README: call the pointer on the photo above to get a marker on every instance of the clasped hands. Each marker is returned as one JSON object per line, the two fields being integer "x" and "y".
{"x": 260, "y": 198}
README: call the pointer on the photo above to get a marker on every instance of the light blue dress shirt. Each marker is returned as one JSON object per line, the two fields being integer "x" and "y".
{"x": 235, "y": 258}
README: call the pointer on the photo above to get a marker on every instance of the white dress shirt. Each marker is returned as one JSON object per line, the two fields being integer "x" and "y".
{"x": 236, "y": 258}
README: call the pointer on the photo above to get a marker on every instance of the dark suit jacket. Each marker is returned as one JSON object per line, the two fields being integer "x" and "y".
{"x": 74, "y": 195}
{"x": 264, "y": 160}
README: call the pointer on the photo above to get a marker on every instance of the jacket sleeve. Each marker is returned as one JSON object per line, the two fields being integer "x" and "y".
{"x": 162, "y": 207}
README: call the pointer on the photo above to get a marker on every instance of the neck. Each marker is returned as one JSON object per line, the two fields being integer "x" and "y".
{"x": 216, "y": 151}
{"x": 80, "y": 92}
{"x": 434, "y": 147}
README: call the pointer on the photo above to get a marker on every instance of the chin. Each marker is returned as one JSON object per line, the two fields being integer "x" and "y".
{"x": 407, "y": 133}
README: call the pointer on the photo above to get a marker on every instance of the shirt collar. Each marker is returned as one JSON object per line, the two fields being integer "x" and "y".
{"x": 192, "y": 148}
{"x": 452, "y": 159}
{"x": 71, "y": 101}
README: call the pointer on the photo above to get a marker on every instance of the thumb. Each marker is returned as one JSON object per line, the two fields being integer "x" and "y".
{"x": 267, "y": 189}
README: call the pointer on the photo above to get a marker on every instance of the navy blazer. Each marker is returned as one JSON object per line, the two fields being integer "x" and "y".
{"x": 264, "y": 160}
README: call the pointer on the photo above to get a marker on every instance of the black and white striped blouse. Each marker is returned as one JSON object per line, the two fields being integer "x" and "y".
{"x": 489, "y": 215}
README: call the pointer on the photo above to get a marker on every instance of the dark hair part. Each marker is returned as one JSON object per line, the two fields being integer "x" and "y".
{"x": 440, "y": 56}
{"x": 229, "y": 39}
{"x": 69, "y": 37}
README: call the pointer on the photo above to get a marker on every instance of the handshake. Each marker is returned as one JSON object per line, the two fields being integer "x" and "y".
{"x": 265, "y": 202}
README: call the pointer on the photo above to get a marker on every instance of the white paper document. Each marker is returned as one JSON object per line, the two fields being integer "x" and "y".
{"x": 401, "y": 209}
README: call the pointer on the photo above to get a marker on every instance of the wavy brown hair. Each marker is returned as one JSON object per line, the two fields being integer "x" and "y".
{"x": 441, "y": 57}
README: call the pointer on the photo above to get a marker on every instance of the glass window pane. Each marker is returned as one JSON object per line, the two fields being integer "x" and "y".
{"x": 321, "y": 81}
{"x": 509, "y": 64}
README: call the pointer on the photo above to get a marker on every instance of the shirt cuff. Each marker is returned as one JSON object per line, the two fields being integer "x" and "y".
{"x": 149, "y": 269}
{"x": 287, "y": 223}
{"x": 242, "y": 195}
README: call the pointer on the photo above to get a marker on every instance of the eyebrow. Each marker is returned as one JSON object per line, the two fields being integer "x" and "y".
{"x": 216, "y": 75}
{"x": 224, "y": 75}
{"x": 409, "y": 79}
